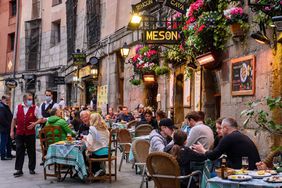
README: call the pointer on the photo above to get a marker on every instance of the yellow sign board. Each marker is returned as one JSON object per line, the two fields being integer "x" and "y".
{"x": 162, "y": 36}
{"x": 85, "y": 71}
{"x": 102, "y": 96}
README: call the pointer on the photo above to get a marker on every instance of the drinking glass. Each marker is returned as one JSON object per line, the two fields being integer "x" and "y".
{"x": 245, "y": 163}
{"x": 276, "y": 162}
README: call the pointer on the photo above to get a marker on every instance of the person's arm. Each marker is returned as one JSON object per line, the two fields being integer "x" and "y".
{"x": 194, "y": 156}
{"x": 39, "y": 119}
{"x": 4, "y": 121}
{"x": 66, "y": 128}
{"x": 219, "y": 150}
{"x": 13, "y": 125}
{"x": 157, "y": 144}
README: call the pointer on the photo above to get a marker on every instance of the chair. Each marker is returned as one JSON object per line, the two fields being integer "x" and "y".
{"x": 165, "y": 171}
{"x": 47, "y": 137}
{"x": 112, "y": 156}
{"x": 143, "y": 129}
{"x": 140, "y": 150}
{"x": 132, "y": 123}
{"x": 124, "y": 140}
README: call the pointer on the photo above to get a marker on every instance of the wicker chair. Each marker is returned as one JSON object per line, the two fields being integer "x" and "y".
{"x": 132, "y": 123}
{"x": 47, "y": 137}
{"x": 124, "y": 140}
{"x": 143, "y": 129}
{"x": 112, "y": 156}
{"x": 140, "y": 150}
{"x": 165, "y": 171}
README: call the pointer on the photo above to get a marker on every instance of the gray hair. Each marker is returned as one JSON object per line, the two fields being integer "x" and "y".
{"x": 230, "y": 122}
{"x": 85, "y": 112}
{"x": 26, "y": 95}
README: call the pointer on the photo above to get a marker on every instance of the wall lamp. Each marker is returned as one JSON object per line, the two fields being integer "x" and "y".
{"x": 124, "y": 51}
{"x": 149, "y": 78}
{"x": 39, "y": 84}
{"x": 206, "y": 58}
{"x": 277, "y": 20}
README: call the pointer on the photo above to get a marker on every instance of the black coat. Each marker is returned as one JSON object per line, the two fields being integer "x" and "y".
{"x": 6, "y": 117}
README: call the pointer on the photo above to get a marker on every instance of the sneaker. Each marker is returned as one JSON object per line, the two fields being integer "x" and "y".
{"x": 18, "y": 173}
{"x": 100, "y": 172}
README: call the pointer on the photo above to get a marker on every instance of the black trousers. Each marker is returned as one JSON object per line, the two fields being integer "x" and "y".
{"x": 25, "y": 142}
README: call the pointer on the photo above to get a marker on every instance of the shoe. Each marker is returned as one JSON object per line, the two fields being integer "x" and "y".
{"x": 32, "y": 172}
{"x": 42, "y": 163}
{"x": 100, "y": 172}
{"x": 18, "y": 173}
{"x": 5, "y": 158}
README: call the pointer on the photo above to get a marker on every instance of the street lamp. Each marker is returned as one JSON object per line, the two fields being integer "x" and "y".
{"x": 124, "y": 51}
{"x": 135, "y": 19}
{"x": 94, "y": 72}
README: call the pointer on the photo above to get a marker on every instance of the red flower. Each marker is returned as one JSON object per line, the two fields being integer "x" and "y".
{"x": 201, "y": 28}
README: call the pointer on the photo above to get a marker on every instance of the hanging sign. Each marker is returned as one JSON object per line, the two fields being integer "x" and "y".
{"x": 176, "y": 5}
{"x": 11, "y": 83}
{"x": 143, "y": 5}
{"x": 79, "y": 59}
{"x": 161, "y": 36}
{"x": 59, "y": 80}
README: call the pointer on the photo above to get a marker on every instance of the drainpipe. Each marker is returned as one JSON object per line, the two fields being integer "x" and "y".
{"x": 108, "y": 72}
{"x": 16, "y": 50}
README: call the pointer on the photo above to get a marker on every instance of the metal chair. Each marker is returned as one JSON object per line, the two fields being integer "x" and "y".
{"x": 165, "y": 171}
{"x": 140, "y": 150}
{"x": 143, "y": 129}
{"x": 132, "y": 123}
{"x": 124, "y": 141}
{"x": 112, "y": 156}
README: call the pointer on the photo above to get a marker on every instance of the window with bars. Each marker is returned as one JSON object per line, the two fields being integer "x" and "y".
{"x": 55, "y": 33}
{"x": 32, "y": 43}
{"x": 71, "y": 7}
{"x": 93, "y": 21}
{"x": 56, "y": 2}
{"x": 13, "y": 8}
{"x": 35, "y": 13}
{"x": 51, "y": 82}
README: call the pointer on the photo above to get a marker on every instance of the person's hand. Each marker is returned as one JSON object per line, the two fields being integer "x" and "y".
{"x": 199, "y": 148}
{"x": 12, "y": 134}
{"x": 31, "y": 126}
{"x": 261, "y": 166}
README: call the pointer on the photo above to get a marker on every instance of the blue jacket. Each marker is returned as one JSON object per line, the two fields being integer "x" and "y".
{"x": 6, "y": 117}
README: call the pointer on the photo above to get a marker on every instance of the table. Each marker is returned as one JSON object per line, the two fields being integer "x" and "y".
{"x": 71, "y": 154}
{"x": 217, "y": 182}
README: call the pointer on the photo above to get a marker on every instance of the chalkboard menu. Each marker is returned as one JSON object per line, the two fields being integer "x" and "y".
{"x": 243, "y": 76}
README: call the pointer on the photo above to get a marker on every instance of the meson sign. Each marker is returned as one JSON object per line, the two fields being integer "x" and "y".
{"x": 161, "y": 36}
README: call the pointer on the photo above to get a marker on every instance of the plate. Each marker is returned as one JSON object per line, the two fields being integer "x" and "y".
{"x": 241, "y": 172}
{"x": 273, "y": 179}
{"x": 239, "y": 177}
{"x": 272, "y": 172}
{"x": 243, "y": 73}
{"x": 256, "y": 174}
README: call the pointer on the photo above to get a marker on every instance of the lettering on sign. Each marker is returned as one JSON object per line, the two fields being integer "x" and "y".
{"x": 176, "y": 5}
{"x": 143, "y": 5}
{"x": 59, "y": 80}
{"x": 79, "y": 59}
{"x": 161, "y": 36}
{"x": 11, "y": 83}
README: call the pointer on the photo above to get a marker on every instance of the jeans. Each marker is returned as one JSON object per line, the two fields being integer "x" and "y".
{"x": 5, "y": 145}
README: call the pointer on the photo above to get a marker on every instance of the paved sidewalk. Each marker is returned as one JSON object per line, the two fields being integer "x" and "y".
{"x": 125, "y": 179}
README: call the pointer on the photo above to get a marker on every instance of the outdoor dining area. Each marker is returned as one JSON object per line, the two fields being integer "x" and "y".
{"x": 129, "y": 142}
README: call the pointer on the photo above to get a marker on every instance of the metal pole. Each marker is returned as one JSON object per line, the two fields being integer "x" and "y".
{"x": 16, "y": 50}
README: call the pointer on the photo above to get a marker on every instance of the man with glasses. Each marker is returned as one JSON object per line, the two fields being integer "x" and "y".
{"x": 26, "y": 117}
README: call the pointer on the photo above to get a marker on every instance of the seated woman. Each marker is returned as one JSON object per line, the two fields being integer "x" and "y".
{"x": 184, "y": 156}
{"x": 56, "y": 119}
{"x": 267, "y": 162}
{"x": 97, "y": 141}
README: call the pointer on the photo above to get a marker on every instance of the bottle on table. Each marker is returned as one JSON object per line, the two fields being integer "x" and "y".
{"x": 224, "y": 174}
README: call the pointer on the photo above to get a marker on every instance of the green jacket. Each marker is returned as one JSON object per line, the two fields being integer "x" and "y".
{"x": 57, "y": 121}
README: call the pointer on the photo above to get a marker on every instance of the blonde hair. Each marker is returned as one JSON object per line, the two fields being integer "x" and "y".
{"x": 97, "y": 121}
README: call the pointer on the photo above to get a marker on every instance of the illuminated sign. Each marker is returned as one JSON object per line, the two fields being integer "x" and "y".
{"x": 79, "y": 59}
{"x": 161, "y": 36}
{"x": 176, "y": 5}
{"x": 143, "y": 5}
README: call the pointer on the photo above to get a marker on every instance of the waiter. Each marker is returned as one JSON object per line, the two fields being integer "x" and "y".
{"x": 26, "y": 117}
{"x": 46, "y": 107}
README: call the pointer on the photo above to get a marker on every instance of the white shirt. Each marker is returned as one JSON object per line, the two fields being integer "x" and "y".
{"x": 62, "y": 104}
{"x": 25, "y": 109}
{"x": 55, "y": 106}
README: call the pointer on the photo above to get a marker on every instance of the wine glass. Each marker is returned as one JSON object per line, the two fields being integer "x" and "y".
{"x": 245, "y": 163}
{"x": 276, "y": 162}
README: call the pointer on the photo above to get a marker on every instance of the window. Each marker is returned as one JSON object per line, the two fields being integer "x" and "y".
{"x": 71, "y": 7}
{"x": 93, "y": 21}
{"x": 55, "y": 33}
{"x": 11, "y": 41}
{"x": 56, "y": 2}
{"x": 35, "y": 13}
{"x": 13, "y": 8}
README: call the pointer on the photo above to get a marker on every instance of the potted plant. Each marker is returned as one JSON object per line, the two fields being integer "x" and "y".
{"x": 237, "y": 20}
{"x": 162, "y": 70}
{"x": 134, "y": 81}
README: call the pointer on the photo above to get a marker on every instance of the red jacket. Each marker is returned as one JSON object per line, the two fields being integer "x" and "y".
{"x": 23, "y": 121}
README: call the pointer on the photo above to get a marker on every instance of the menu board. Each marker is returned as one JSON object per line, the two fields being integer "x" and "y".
{"x": 187, "y": 92}
{"x": 102, "y": 97}
{"x": 243, "y": 76}
{"x": 197, "y": 90}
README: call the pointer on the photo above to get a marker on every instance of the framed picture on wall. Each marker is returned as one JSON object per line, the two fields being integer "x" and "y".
{"x": 243, "y": 76}
{"x": 187, "y": 92}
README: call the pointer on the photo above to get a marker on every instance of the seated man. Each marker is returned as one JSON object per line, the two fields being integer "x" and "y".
{"x": 159, "y": 138}
{"x": 84, "y": 127}
{"x": 149, "y": 119}
{"x": 56, "y": 119}
{"x": 234, "y": 144}
{"x": 125, "y": 116}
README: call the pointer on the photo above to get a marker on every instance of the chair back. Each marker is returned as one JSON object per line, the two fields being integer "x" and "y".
{"x": 160, "y": 163}
{"x": 124, "y": 137}
{"x": 132, "y": 123}
{"x": 52, "y": 134}
{"x": 112, "y": 152}
{"x": 143, "y": 129}
{"x": 140, "y": 150}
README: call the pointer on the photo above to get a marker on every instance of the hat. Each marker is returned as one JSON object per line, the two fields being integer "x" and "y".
{"x": 168, "y": 123}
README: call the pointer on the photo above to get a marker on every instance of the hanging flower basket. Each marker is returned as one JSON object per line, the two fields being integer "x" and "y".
{"x": 236, "y": 30}
{"x": 162, "y": 70}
